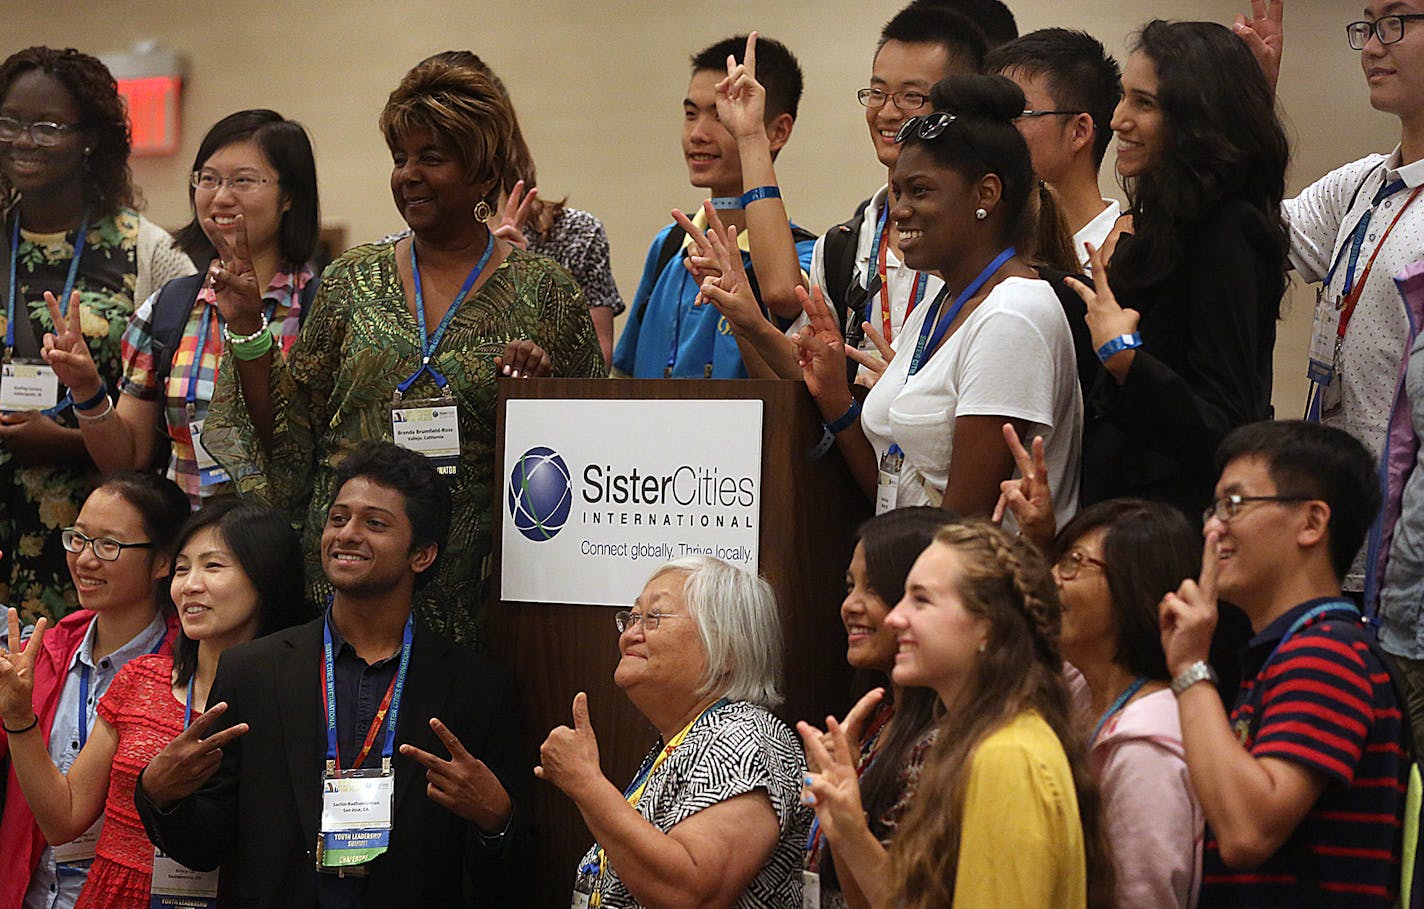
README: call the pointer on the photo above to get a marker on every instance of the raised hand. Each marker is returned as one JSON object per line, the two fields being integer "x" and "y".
{"x": 517, "y": 209}
{"x": 1187, "y": 618}
{"x": 833, "y": 790}
{"x": 1028, "y": 496}
{"x": 462, "y": 785}
{"x": 1106, "y": 319}
{"x": 17, "y": 674}
{"x": 234, "y": 279}
{"x": 569, "y": 757}
{"x": 701, "y": 259}
{"x": 731, "y": 293}
{"x": 820, "y": 350}
{"x": 66, "y": 351}
{"x": 1265, "y": 36}
{"x": 741, "y": 99}
{"x": 186, "y": 763}
{"x": 524, "y": 359}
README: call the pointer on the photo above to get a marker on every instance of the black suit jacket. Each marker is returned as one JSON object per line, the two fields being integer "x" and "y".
{"x": 258, "y": 816}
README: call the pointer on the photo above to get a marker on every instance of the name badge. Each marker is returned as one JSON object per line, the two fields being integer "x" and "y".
{"x": 810, "y": 890}
{"x": 209, "y": 473}
{"x": 177, "y": 886}
{"x": 27, "y": 386}
{"x": 81, "y": 849}
{"x": 431, "y": 427}
{"x": 1324, "y": 337}
{"x": 887, "y": 486}
{"x": 355, "y": 818}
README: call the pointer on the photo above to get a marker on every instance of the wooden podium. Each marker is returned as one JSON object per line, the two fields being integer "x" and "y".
{"x": 810, "y": 510}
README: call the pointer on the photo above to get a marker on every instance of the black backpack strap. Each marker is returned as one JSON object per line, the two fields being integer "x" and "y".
{"x": 672, "y": 245}
{"x": 843, "y": 293}
{"x": 170, "y": 314}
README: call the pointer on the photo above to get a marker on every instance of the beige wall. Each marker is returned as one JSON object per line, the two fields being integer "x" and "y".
{"x": 598, "y": 87}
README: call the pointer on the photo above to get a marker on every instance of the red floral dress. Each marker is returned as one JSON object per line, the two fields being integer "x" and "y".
{"x": 140, "y": 705}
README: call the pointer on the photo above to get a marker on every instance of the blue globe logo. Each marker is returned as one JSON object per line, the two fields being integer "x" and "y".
{"x": 540, "y": 494}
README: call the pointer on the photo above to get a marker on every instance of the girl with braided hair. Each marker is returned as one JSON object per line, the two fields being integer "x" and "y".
{"x": 1008, "y": 817}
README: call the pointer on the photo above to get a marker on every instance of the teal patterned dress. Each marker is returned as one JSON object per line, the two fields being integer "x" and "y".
{"x": 38, "y": 500}
{"x": 333, "y": 391}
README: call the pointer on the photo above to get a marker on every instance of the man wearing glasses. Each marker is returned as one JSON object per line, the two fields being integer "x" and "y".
{"x": 1071, "y": 86}
{"x": 1303, "y": 785}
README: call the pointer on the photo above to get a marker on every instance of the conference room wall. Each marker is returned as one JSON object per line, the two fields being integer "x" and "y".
{"x": 598, "y": 87}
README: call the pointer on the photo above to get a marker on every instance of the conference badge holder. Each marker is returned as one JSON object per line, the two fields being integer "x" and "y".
{"x": 27, "y": 385}
{"x": 356, "y": 810}
{"x": 80, "y": 849}
{"x": 210, "y": 473}
{"x": 810, "y": 890}
{"x": 430, "y": 426}
{"x": 1325, "y": 350}
{"x": 887, "y": 486}
{"x": 177, "y": 886}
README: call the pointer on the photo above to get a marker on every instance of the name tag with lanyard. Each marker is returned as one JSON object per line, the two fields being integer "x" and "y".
{"x": 1333, "y": 312}
{"x": 27, "y": 384}
{"x": 357, "y": 805}
{"x": 431, "y": 426}
{"x": 879, "y": 255}
{"x": 176, "y": 886}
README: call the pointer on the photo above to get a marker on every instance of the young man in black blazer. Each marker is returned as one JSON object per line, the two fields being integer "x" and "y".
{"x": 243, "y": 787}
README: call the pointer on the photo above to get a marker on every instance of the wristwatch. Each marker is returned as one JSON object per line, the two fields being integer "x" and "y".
{"x": 1200, "y": 671}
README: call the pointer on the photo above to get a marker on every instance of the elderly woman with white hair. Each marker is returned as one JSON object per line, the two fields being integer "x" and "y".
{"x": 713, "y": 816}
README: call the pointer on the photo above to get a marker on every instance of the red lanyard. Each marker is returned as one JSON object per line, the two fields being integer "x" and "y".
{"x": 370, "y": 733}
{"x": 921, "y": 283}
{"x": 1353, "y": 297}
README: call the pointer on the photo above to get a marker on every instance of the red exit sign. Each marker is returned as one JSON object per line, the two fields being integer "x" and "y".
{"x": 153, "y": 113}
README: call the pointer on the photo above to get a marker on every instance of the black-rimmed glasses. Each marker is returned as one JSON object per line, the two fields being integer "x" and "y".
{"x": 876, "y": 98}
{"x": 1228, "y": 508}
{"x": 1032, "y": 114}
{"x": 1388, "y": 29}
{"x": 104, "y": 548}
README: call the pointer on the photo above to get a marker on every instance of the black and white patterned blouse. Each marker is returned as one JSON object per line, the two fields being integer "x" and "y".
{"x": 731, "y": 751}
{"x": 578, "y": 242}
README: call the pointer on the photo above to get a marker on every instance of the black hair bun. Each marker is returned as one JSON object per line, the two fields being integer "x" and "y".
{"x": 986, "y": 97}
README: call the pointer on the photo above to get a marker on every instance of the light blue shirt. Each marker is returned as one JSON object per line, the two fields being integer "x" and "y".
{"x": 55, "y": 886}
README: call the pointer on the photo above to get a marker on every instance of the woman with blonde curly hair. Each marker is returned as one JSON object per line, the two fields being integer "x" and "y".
{"x": 400, "y": 337}
{"x": 1006, "y": 817}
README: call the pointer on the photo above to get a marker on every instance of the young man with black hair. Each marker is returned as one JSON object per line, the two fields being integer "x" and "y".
{"x": 992, "y": 17}
{"x": 316, "y": 779}
{"x": 667, "y": 335}
{"x": 1303, "y": 785}
{"x": 1071, "y": 86}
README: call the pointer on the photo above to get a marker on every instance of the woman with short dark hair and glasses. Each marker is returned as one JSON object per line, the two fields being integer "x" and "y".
{"x": 993, "y": 346}
{"x": 119, "y": 551}
{"x": 67, "y": 211}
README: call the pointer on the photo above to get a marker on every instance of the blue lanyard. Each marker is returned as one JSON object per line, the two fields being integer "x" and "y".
{"x": 84, "y": 694}
{"x": 188, "y": 705}
{"x": 195, "y": 370}
{"x": 922, "y": 280}
{"x": 1117, "y": 705}
{"x": 1357, "y": 236}
{"x": 427, "y": 344}
{"x": 1337, "y": 607}
{"x": 68, "y": 281}
{"x": 928, "y": 344}
{"x": 388, "y": 748}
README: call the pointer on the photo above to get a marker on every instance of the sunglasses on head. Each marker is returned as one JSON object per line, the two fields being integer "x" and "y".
{"x": 927, "y": 126}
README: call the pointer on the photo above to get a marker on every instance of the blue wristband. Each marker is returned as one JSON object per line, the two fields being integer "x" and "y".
{"x": 761, "y": 192}
{"x": 99, "y": 396}
{"x": 1118, "y": 345}
{"x": 842, "y": 423}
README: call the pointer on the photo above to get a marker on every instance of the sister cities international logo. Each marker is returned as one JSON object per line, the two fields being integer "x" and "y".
{"x": 540, "y": 494}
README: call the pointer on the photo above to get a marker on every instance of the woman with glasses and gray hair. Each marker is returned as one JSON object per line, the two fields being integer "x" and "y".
{"x": 712, "y": 816}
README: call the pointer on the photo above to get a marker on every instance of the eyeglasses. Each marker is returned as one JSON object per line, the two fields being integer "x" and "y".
{"x": 104, "y": 548}
{"x": 243, "y": 184}
{"x": 627, "y": 619}
{"x": 875, "y": 98}
{"x": 43, "y": 132}
{"x": 1228, "y": 508}
{"x": 1073, "y": 561}
{"x": 928, "y": 126}
{"x": 1388, "y": 29}
{"x": 1031, "y": 114}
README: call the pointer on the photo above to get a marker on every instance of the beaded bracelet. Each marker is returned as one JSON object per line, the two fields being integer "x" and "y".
{"x": 244, "y": 339}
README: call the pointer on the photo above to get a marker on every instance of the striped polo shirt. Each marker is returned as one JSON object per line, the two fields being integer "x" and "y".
{"x": 1322, "y": 699}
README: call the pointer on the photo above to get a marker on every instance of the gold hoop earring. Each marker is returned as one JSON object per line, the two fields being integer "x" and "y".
{"x": 483, "y": 211}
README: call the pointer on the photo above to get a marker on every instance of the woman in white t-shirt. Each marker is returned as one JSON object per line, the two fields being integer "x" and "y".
{"x": 994, "y": 347}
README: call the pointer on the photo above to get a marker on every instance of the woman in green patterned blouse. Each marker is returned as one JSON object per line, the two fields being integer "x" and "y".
{"x": 70, "y": 229}
{"x": 431, "y": 320}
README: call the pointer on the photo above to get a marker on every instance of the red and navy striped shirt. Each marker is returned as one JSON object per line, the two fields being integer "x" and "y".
{"x": 1321, "y": 699}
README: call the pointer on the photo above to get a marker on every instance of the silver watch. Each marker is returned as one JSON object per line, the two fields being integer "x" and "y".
{"x": 1200, "y": 671}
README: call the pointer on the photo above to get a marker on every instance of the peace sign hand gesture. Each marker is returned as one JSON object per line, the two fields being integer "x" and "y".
{"x": 66, "y": 351}
{"x": 186, "y": 763}
{"x": 834, "y": 788}
{"x": 1106, "y": 319}
{"x": 463, "y": 785}
{"x": 517, "y": 209}
{"x": 1028, "y": 496}
{"x": 1265, "y": 35}
{"x": 820, "y": 350}
{"x": 17, "y": 674}
{"x": 1187, "y": 618}
{"x": 741, "y": 99}
{"x": 234, "y": 279}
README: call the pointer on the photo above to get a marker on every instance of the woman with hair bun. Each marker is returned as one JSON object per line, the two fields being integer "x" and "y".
{"x": 929, "y": 430}
{"x": 71, "y": 231}
{"x": 403, "y": 335}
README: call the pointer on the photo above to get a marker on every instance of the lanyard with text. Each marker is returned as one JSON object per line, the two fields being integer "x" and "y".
{"x": 588, "y": 886}
{"x": 878, "y": 253}
{"x": 209, "y": 472}
{"x": 1119, "y": 703}
{"x": 1354, "y": 287}
{"x": 936, "y": 326}
{"x": 429, "y": 344}
{"x": 391, "y": 703}
{"x": 174, "y": 886}
{"x": 34, "y": 386}
{"x": 79, "y": 241}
